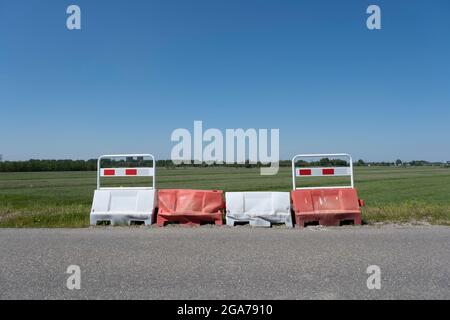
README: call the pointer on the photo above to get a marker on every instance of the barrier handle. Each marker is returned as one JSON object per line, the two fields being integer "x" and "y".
{"x": 107, "y": 156}
{"x": 322, "y": 155}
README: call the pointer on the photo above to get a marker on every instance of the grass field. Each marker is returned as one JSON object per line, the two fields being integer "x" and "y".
{"x": 63, "y": 199}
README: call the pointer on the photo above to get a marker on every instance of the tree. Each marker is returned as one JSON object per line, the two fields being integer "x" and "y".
{"x": 360, "y": 163}
{"x": 324, "y": 162}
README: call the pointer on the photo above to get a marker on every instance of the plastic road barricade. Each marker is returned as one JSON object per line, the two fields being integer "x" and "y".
{"x": 124, "y": 205}
{"x": 259, "y": 209}
{"x": 190, "y": 207}
{"x": 325, "y": 205}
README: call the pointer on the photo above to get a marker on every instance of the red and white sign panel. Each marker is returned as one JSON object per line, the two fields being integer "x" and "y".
{"x": 127, "y": 172}
{"x": 323, "y": 172}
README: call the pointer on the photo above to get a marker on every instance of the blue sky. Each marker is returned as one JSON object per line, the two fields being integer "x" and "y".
{"x": 140, "y": 69}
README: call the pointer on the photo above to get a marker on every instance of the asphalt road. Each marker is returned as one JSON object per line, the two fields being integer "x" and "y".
{"x": 226, "y": 263}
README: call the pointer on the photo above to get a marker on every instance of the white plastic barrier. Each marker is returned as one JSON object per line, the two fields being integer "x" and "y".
{"x": 258, "y": 208}
{"x": 124, "y": 205}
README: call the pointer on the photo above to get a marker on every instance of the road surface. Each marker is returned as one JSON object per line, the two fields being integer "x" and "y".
{"x": 226, "y": 263}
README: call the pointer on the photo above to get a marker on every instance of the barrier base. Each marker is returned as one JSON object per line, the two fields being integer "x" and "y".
{"x": 327, "y": 219}
{"x": 257, "y": 222}
{"x": 120, "y": 219}
{"x": 190, "y": 220}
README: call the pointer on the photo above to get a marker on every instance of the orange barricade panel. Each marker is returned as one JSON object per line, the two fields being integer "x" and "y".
{"x": 328, "y": 207}
{"x": 190, "y": 207}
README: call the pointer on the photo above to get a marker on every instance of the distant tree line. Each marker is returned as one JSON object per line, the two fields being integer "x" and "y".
{"x": 48, "y": 165}
{"x": 400, "y": 163}
{"x": 91, "y": 164}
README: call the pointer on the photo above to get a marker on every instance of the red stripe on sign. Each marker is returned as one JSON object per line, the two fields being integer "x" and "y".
{"x": 131, "y": 172}
{"x": 109, "y": 172}
{"x": 327, "y": 172}
{"x": 305, "y": 172}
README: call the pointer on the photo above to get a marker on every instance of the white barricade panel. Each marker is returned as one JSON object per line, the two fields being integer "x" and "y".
{"x": 273, "y": 207}
{"x": 322, "y": 172}
{"x": 123, "y": 206}
{"x": 318, "y": 171}
{"x": 127, "y": 172}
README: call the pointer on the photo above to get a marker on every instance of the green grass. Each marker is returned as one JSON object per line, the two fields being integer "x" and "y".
{"x": 63, "y": 199}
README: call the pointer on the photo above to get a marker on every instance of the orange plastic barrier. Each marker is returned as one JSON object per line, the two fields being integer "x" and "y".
{"x": 190, "y": 207}
{"x": 328, "y": 207}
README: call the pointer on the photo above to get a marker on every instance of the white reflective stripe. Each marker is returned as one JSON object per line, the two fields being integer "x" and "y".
{"x": 322, "y": 172}
{"x": 127, "y": 172}
{"x": 148, "y": 172}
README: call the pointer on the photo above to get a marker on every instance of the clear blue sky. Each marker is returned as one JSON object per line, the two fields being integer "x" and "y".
{"x": 139, "y": 69}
